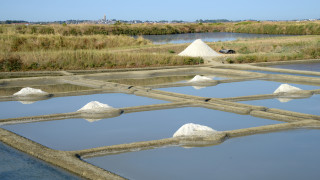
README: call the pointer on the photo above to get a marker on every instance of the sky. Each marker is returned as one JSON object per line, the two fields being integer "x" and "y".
{"x": 187, "y": 10}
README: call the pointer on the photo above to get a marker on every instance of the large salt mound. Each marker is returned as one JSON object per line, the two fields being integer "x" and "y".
{"x": 199, "y": 49}
{"x": 285, "y": 88}
{"x": 29, "y": 91}
{"x": 191, "y": 129}
{"x": 199, "y": 78}
{"x": 95, "y": 106}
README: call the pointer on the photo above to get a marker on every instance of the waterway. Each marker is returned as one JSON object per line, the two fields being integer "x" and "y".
{"x": 208, "y": 37}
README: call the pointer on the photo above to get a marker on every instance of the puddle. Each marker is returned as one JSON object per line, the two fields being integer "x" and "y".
{"x": 304, "y": 67}
{"x": 12, "y": 109}
{"x": 47, "y": 88}
{"x": 308, "y": 105}
{"x": 76, "y": 134}
{"x": 17, "y": 165}
{"x": 244, "y": 88}
{"x": 282, "y": 155}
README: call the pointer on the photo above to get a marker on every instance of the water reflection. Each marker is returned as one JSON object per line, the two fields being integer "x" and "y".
{"x": 17, "y": 165}
{"x": 12, "y": 109}
{"x": 208, "y": 37}
{"x": 281, "y": 155}
{"x": 47, "y": 88}
{"x": 152, "y": 81}
{"x": 76, "y": 134}
{"x": 307, "y": 105}
{"x": 304, "y": 67}
{"x": 245, "y": 88}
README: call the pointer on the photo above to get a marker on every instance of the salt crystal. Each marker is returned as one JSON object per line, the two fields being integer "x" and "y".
{"x": 199, "y": 49}
{"x": 285, "y": 88}
{"x": 191, "y": 129}
{"x": 95, "y": 106}
{"x": 29, "y": 91}
{"x": 199, "y": 78}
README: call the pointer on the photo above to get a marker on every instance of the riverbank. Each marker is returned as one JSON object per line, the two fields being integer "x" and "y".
{"x": 47, "y": 47}
{"x": 256, "y": 27}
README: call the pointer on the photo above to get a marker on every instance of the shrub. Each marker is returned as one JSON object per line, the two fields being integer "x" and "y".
{"x": 11, "y": 63}
{"x": 171, "y": 51}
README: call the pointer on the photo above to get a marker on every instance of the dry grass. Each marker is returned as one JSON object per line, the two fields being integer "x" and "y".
{"x": 296, "y": 28}
{"x": 18, "y": 42}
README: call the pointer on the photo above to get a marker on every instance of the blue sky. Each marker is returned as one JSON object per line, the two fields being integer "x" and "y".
{"x": 188, "y": 10}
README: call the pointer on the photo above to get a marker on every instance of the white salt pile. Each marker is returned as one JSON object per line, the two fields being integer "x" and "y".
{"x": 199, "y": 49}
{"x": 191, "y": 129}
{"x": 199, "y": 78}
{"x": 286, "y": 88}
{"x": 29, "y": 91}
{"x": 95, "y": 106}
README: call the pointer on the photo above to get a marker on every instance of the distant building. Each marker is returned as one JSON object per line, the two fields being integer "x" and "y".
{"x": 104, "y": 18}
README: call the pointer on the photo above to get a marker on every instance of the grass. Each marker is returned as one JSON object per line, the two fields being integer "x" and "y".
{"x": 294, "y": 28}
{"x": 56, "y": 52}
{"x": 67, "y": 47}
{"x": 92, "y": 59}
{"x": 30, "y": 42}
{"x": 256, "y": 50}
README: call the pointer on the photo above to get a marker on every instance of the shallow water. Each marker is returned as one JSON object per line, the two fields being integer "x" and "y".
{"x": 244, "y": 88}
{"x": 152, "y": 80}
{"x": 76, "y": 134}
{"x": 47, "y": 88}
{"x": 208, "y": 37}
{"x": 12, "y": 109}
{"x": 163, "y": 79}
{"x": 304, "y": 67}
{"x": 17, "y": 165}
{"x": 270, "y": 72}
{"x": 308, "y": 105}
{"x": 282, "y": 155}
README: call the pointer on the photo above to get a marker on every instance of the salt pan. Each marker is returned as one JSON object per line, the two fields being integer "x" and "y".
{"x": 286, "y": 88}
{"x": 29, "y": 91}
{"x": 95, "y": 106}
{"x": 199, "y": 49}
{"x": 191, "y": 129}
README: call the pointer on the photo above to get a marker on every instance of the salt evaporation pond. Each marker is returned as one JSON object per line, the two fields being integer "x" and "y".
{"x": 12, "y": 109}
{"x": 162, "y": 80}
{"x": 47, "y": 88}
{"x": 304, "y": 66}
{"x": 270, "y": 72}
{"x": 76, "y": 134}
{"x": 17, "y": 165}
{"x": 152, "y": 80}
{"x": 208, "y": 37}
{"x": 307, "y": 105}
{"x": 290, "y": 155}
{"x": 234, "y": 89}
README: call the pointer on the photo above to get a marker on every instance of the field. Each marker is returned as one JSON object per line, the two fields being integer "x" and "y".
{"x": 66, "y": 47}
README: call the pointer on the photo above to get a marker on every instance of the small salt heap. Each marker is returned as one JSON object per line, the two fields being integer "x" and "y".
{"x": 199, "y": 49}
{"x": 199, "y": 78}
{"x": 191, "y": 129}
{"x": 286, "y": 88}
{"x": 29, "y": 91}
{"x": 95, "y": 106}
